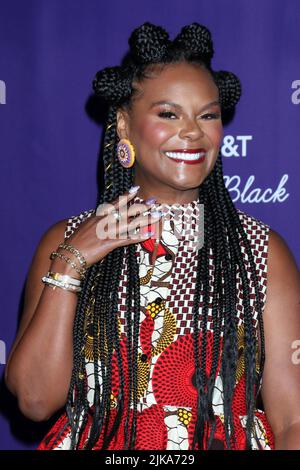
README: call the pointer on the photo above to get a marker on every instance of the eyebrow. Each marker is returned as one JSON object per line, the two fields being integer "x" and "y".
{"x": 175, "y": 105}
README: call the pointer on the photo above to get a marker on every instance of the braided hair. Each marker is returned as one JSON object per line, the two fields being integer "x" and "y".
{"x": 96, "y": 316}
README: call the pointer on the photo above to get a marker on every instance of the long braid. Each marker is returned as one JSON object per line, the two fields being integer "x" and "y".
{"x": 112, "y": 336}
{"x": 202, "y": 276}
{"x": 135, "y": 341}
{"x": 249, "y": 340}
{"x": 101, "y": 348}
{"x": 77, "y": 390}
{"x": 229, "y": 355}
{"x": 76, "y": 396}
{"x": 129, "y": 298}
{"x": 235, "y": 228}
{"x": 115, "y": 184}
{"x": 78, "y": 342}
{"x": 221, "y": 270}
{"x": 114, "y": 339}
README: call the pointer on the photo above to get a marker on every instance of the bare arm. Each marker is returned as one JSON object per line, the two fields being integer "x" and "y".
{"x": 281, "y": 378}
{"x": 40, "y": 362}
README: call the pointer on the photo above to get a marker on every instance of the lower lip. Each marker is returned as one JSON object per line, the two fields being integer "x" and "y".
{"x": 188, "y": 162}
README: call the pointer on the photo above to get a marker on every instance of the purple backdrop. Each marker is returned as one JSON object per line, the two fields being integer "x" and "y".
{"x": 49, "y": 146}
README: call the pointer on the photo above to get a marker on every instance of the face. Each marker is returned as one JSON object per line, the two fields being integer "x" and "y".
{"x": 175, "y": 127}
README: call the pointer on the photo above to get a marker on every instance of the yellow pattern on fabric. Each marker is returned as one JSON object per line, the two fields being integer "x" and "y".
{"x": 184, "y": 416}
{"x": 168, "y": 333}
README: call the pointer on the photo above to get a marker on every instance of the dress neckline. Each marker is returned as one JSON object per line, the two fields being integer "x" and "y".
{"x": 169, "y": 208}
{"x": 179, "y": 224}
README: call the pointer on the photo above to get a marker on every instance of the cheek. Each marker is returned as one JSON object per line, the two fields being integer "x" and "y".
{"x": 215, "y": 134}
{"x": 153, "y": 134}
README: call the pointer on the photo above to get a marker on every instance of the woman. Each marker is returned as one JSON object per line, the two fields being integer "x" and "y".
{"x": 150, "y": 343}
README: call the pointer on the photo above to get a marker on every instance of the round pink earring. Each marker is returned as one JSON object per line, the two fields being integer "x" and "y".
{"x": 125, "y": 153}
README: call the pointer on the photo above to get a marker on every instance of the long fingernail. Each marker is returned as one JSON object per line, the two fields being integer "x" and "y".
{"x": 150, "y": 201}
{"x": 147, "y": 234}
{"x": 134, "y": 189}
{"x": 156, "y": 214}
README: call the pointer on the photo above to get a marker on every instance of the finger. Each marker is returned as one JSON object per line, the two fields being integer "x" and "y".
{"x": 154, "y": 228}
{"x": 104, "y": 209}
{"x": 108, "y": 207}
{"x": 140, "y": 221}
{"x": 135, "y": 238}
{"x": 109, "y": 227}
{"x": 139, "y": 234}
{"x": 137, "y": 209}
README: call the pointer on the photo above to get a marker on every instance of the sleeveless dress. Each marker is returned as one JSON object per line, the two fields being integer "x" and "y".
{"x": 167, "y": 397}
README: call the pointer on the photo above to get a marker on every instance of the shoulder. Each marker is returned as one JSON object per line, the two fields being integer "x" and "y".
{"x": 252, "y": 225}
{"x": 52, "y": 236}
{"x": 263, "y": 238}
{"x": 60, "y": 230}
{"x": 279, "y": 249}
{"x": 283, "y": 280}
{"x": 257, "y": 234}
{"x": 282, "y": 266}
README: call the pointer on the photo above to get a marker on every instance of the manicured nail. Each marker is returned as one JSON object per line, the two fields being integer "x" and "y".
{"x": 156, "y": 214}
{"x": 148, "y": 234}
{"x": 150, "y": 201}
{"x": 134, "y": 189}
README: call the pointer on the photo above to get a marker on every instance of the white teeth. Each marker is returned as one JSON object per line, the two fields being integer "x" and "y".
{"x": 185, "y": 156}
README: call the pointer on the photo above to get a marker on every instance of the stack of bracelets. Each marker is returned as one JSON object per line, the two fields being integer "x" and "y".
{"x": 63, "y": 280}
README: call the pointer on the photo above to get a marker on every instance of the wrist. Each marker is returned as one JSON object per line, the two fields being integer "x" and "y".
{"x": 59, "y": 266}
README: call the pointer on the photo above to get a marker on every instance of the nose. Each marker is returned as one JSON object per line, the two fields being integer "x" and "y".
{"x": 191, "y": 129}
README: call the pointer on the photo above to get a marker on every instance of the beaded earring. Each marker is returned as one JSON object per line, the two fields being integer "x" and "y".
{"x": 125, "y": 153}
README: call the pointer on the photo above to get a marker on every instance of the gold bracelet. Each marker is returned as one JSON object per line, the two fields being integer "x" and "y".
{"x": 72, "y": 249}
{"x": 80, "y": 271}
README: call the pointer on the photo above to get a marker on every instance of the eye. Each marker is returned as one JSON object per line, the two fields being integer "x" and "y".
{"x": 166, "y": 114}
{"x": 209, "y": 116}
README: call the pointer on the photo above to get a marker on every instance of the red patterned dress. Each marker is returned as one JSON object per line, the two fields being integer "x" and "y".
{"x": 166, "y": 392}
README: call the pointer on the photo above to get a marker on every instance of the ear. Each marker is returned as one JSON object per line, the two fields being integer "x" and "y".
{"x": 122, "y": 124}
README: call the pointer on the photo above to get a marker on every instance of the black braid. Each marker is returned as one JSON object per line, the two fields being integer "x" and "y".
{"x": 223, "y": 236}
{"x": 112, "y": 338}
{"x": 129, "y": 298}
{"x": 100, "y": 325}
{"x": 229, "y": 355}
{"x": 202, "y": 276}
{"x": 235, "y": 227}
{"x": 135, "y": 277}
{"x": 76, "y": 396}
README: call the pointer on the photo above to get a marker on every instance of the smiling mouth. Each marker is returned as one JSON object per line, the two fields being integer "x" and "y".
{"x": 187, "y": 157}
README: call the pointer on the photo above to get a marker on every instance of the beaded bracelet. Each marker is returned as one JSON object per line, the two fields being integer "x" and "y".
{"x": 81, "y": 271}
{"x": 75, "y": 252}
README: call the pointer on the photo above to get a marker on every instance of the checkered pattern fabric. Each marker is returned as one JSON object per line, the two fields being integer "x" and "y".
{"x": 181, "y": 281}
{"x": 76, "y": 220}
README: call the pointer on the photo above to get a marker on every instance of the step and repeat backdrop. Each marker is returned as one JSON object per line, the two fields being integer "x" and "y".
{"x": 50, "y": 131}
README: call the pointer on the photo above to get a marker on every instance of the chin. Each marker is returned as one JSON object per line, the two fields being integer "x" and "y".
{"x": 185, "y": 186}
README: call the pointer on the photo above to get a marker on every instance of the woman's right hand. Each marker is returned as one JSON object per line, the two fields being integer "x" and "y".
{"x": 102, "y": 233}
